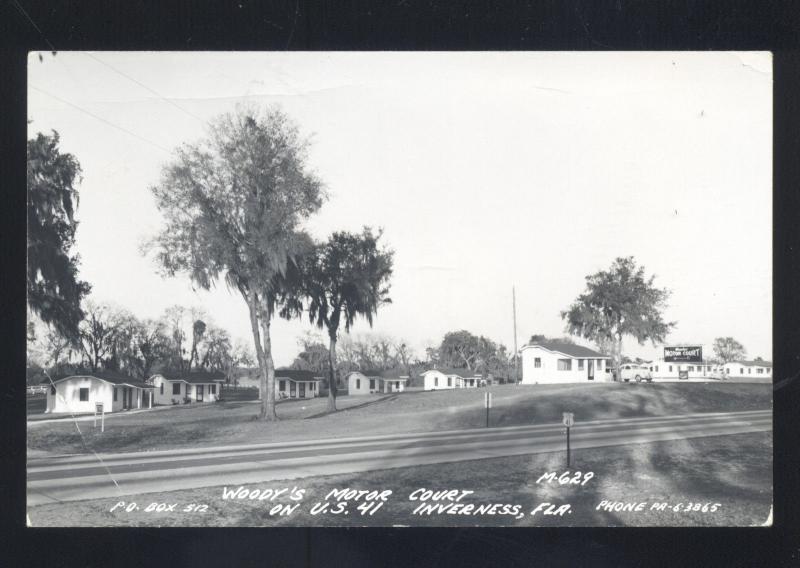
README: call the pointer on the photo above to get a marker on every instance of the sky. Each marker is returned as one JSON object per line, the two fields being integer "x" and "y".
{"x": 485, "y": 171}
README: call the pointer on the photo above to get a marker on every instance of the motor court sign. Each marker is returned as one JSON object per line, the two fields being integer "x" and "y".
{"x": 683, "y": 354}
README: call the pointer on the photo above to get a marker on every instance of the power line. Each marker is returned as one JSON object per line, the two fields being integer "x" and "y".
{"x": 156, "y": 93}
{"x": 100, "y": 118}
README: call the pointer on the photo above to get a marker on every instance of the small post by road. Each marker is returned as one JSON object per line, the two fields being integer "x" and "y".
{"x": 98, "y": 408}
{"x": 487, "y": 402}
{"x": 569, "y": 420}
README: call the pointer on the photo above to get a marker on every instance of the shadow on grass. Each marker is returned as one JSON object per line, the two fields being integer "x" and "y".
{"x": 354, "y": 407}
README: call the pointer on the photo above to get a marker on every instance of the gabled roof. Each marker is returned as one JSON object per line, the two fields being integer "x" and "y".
{"x": 372, "y": 373}
{"x": 296, "y": 375}
{"x": 113, "y": 377}
{"x": 396, "y": 373}
{"x": 457, "y": 371}
{"x": 194, "y": 377}
{"x": 568, "y": 349}
{"x": 752, "y": 363}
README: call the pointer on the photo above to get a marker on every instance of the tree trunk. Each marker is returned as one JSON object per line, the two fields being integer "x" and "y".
{"x": 252, "y": 306}
{"x": 332, "y": 374}
{"x": 268, "y": 375}
{"x": 619, "y": 358}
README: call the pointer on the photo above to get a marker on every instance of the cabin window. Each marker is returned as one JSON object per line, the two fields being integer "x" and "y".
{"x": 537, "y": 363}
{"x": 397, "y": 384}
{"x": 580, "y": 364}
{"x": 565, "y": 364}
{"x": 750, "y": 371}
{"x": 741, "y": 370}
{"x": 358, "y": 384}
{"x": 372, "y": 384}
{"x": 690, "y": 368}
{"x": 176, "y": 388}
{"x": 282, "y": 385}
{"x": 436, "y": 381}
{"x": 115, "y": 394}
{"x": 162, "y": 388}
{"x": 212, "y": 388}
{"x": 760, "y": 371}
{"x": 83, "y": 394}
{"x": 449, "y": 381}
{"x": 670, "y": 368}
{"x": 656, "y": 368}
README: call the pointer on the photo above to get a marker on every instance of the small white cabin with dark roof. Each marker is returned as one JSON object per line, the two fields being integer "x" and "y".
{"x": 369, "y": 382}
{"x": 553, "y": 362}
{"x": 187, "y": 387}
{"x": 443, "y": 378}
{"x": 294, "y": 383}
{"x": 79, "y": 393}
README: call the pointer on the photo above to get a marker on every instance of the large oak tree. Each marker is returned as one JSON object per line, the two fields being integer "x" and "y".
{"x": 727, "y": 349}
{"x": 54, "y": 289}
{"x": 619, "y": 302}
{"x": 233, "y": 206}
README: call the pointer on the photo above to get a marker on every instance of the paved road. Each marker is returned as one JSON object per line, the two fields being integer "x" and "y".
{"x": 90, "y": 476}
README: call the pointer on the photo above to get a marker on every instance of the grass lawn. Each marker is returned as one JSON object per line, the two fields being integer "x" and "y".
{"x": 236, "y": 422}
{"x": 732, "y": 471}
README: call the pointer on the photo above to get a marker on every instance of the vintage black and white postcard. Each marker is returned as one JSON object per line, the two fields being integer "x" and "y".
{"x": 399, "y": 289}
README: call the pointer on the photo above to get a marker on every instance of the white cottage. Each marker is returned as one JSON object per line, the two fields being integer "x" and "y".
{"x": 548, "y": 362}
{"x": 369, "y": 382}
{"x": 292, "y": 383}
{"x": 742, "y": 371}
{"x": 673, "y": 371}
{"x": 182, "y": 387}
{"x": 444, "y": 378}
{"x": 80, "y": 393}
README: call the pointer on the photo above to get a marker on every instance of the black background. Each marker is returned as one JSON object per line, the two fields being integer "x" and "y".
{"x": 401, "y": 25}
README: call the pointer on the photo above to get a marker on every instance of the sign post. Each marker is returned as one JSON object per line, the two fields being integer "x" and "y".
{"x": 487, "y": 402}
{"x": 569, "y": 420}
{"x": 98, "y": 408}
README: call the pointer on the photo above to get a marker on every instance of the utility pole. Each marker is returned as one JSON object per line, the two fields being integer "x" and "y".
{"x": 514, "y": 307}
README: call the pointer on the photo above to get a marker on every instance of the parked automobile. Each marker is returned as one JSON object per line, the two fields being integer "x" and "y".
{"x": 633, "y": 372}
{"x": 36, "y": 389}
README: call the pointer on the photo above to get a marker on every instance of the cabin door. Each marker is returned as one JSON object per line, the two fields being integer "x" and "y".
{"x": 590, "y": 369}
{"x": 200, "y": 392}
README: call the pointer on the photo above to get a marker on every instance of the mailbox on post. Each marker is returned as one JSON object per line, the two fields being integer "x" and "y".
{"x": 98, "y": 409}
